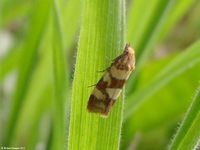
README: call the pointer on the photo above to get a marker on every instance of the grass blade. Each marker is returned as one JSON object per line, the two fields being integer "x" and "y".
{"x": 41, "y": 12}
{"x": 72, "y": 23}
{"x": 9, "y": 62}
{"x": 41, "y": 82}
{"x": 177, "y": 66}
{"x": 35, "y": 98}
{"x": 60, "y": 81}
{"x": 165, "y": 106}
{"x": 13, "y": 10}
{"x": 164, "y": 23}
{"x": 188, "y": 134}
{"x": 102, "y": 35}
{"x": 154, "y": 27}
{"x": 148, "y": 22}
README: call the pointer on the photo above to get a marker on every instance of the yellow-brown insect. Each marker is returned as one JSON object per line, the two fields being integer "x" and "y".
{"x": 110, "y": 85}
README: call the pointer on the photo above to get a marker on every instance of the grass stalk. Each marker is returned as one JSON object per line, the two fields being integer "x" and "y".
{"x": 188, "y": 134}
{"x": 38, "y": 22}
{"x": 102, "y": 35}
{"x": 60, "y": 81}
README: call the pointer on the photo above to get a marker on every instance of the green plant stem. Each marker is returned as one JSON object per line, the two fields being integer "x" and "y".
{"x": 188, "y": 124}
{"x": 60, "y": 81}
{"x": 102, "y": 35}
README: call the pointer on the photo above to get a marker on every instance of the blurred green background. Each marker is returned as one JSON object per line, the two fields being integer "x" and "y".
{"x": 159, "y": 31}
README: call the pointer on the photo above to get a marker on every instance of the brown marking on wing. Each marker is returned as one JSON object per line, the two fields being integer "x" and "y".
{"x": 96, "y": 105}
{"x": 108, "y": 107}
{"x": 101, "y": 85}
{"x": 125, "y": 62}
{"x": 116, "y": 83}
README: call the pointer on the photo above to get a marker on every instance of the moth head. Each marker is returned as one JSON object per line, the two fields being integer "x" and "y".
{"x": 130, "y": 56}
{"x": 129, "y": 50}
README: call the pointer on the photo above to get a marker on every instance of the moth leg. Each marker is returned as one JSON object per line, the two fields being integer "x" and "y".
{"x": 92, "y": 85}
{"x": 100, "y": 71}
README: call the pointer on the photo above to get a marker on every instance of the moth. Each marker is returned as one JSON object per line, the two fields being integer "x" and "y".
{"x": 109, "y": 87}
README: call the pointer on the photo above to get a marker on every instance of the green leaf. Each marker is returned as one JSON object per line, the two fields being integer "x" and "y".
{"x": 142, "y": 25}
{"x": 165, "y": 107}
{"x": 38, "y": 22}
{"x": 159, "y": 18}
{"x": 190, "y": 57}
{"x": 188, "y": 134}
{"x": 39, "y": 86}
{"x": 38, "y": 96}
{"x": 12, "y": 11}
{"x": 102, "y": 35}
{"x": 164, "y": 23}
{"x": 9, "y": 62}
{"x": 60, "y": 81}
{"x": 69, "y": 9}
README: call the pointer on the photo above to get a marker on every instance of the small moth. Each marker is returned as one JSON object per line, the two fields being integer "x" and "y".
{"x": 109, "y": 87}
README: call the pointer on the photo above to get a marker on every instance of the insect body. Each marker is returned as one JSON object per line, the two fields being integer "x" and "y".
{"x": 110, "y": 85}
